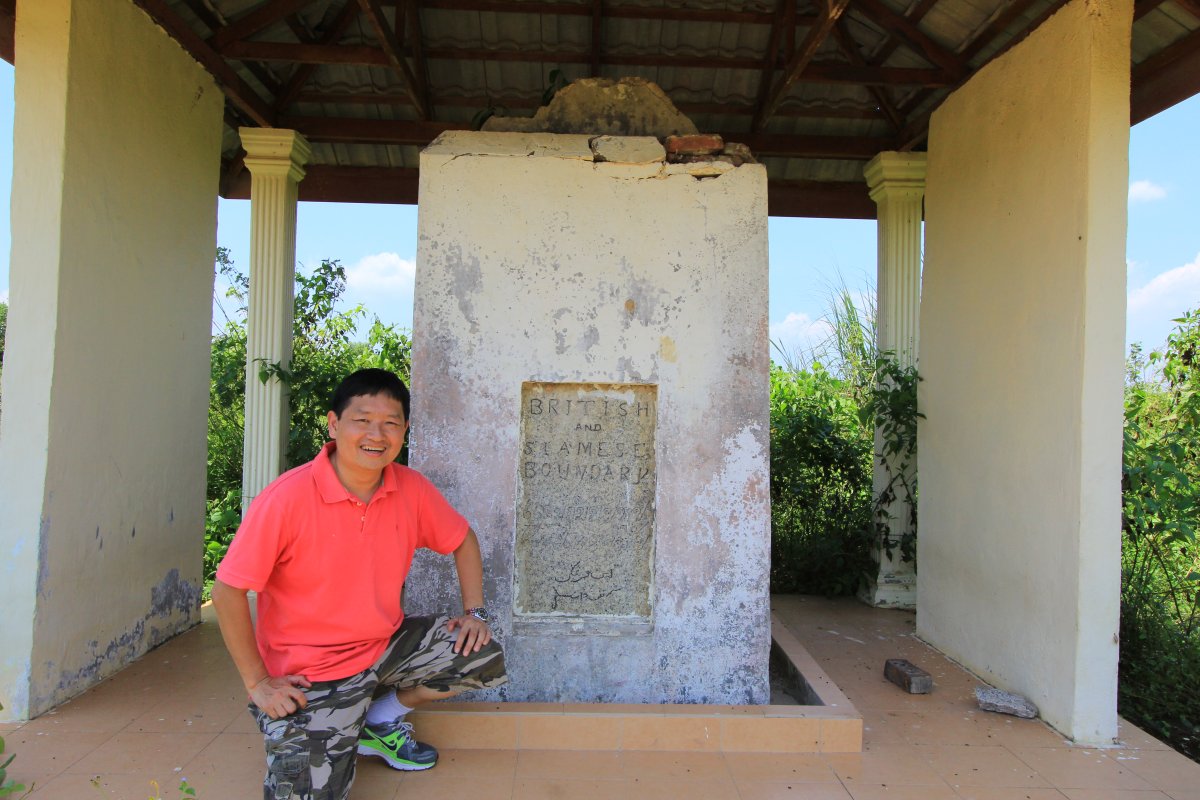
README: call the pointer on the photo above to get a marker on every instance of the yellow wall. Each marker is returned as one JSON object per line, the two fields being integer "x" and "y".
{"x": 1022, "y": 336}
{"x": 102, "y": 442}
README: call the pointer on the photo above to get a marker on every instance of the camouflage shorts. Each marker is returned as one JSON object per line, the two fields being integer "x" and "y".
{"x": 310, "y": 754}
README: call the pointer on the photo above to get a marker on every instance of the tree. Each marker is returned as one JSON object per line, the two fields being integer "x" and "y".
{"x": 323, "y": 352}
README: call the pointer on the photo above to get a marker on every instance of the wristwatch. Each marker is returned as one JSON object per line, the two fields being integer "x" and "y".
{"x": 479, "y": 612}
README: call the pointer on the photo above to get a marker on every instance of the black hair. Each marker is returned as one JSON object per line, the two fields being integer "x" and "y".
{"x": 367, "y": 382}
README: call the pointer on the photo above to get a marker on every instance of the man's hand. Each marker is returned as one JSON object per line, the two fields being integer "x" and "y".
{"x": 473, "y": 633}
{"x": 279, "y": 697}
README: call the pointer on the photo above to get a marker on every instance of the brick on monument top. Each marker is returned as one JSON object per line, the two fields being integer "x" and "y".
{"x": 701, "y": 144}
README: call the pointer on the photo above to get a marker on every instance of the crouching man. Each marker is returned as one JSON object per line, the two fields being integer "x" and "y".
{"x": 333, "y": 665}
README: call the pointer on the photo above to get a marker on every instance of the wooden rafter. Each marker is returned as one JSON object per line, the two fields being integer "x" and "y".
{"x": 365, "y": 55}
{"x": 1190, "y": 6}
{"x": 1165, "y": 79}
{"x": 333, "y": 184}
{"x": 995, "y": 28}
{"x": 253, "y": 22}
{"x": 1143, "y": 7}
{"x": 918, "y": 130}
{"x": 597, "y": 33}
{"x": 785, "y": 13}
{"x": 376, "y": 131}
{"x": 394, "y": 52}
{"x": 615, "y": 11}
{"x": 891, "y": 43}
{"x": 900, "y": 27}
{"x": 238, "y": 92}
{"x": 416, "y": 36}
{"x": 513, "y": 103}
{"x": 303, "y": 72}
{"x": 8, "y": 30}
{"x": 850, "y": 48}
{"x": 800, "y": 60}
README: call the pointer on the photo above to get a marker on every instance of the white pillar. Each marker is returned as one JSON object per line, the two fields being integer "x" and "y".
{"x": 897, "y": 185}
{"x": 276, "y": 159}
{"x": 117, "y": 144}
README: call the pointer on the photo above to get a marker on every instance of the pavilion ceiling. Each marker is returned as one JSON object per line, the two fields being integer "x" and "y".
{"x": 814, "y": 87}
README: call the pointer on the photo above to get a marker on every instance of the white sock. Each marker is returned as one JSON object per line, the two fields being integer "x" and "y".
{"x": 386, "y": 710}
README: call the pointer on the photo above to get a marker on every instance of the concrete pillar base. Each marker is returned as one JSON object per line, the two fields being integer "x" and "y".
{"x": 891, "y": 591}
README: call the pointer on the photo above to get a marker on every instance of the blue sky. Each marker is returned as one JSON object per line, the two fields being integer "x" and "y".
{"x": 377, "y": 244}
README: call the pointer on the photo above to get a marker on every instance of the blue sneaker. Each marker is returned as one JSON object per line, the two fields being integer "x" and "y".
{"x": 396, "y": 745}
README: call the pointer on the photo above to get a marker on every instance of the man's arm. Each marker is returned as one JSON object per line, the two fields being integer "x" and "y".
{"x": 278, "y": 696}
{"x": 468, "y": 561}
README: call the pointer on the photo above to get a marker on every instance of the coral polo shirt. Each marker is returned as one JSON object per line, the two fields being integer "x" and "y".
{"x": 328, "y": 569}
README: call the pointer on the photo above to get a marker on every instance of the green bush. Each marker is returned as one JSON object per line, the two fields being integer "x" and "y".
{"x": 1160, "y": 564}
{"x": 821, "y": 508}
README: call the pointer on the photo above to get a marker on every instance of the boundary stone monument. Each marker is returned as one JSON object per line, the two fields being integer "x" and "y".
{"x": 591, "y": 389}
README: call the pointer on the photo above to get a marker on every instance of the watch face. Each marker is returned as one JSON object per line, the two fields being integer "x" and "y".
{"x": 480, "y": 613}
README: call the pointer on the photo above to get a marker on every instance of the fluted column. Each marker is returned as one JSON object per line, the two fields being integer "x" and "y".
{"x": 897, "y": 185}
{"x": 276, "y": 160}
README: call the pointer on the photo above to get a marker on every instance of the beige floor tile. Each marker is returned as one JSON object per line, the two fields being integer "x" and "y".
{"x": 963, "y": 765}
{"x": 1162, "y": 769}
{"x": 158, "y": 756}
{"x": 373, "y": 780}
{"x": 232, "y": 765}
{"x": 477, "y": 763}
{"x": 40, "y": 755}
{"x": 210, "y": 712}
{"x": 1008, "y": 793}
{"x": 948, "y": 728}
{"x": 73, "y": 786}
{"x": 890, "y": 727}
{"x": 775, "y": 790}
{"x": 1012, "y": 732}
{"x": 435, "y": 784}
{"x": 566, "y": 733}
{"x": 569, "y": 764}
{"x": 675, "y": 789}
{"x": 561, "y": 789}
{"x": 894, "y": 765}
{"x": 1079, "y": 768}
{"x": 682, "y": 766}
{"x": 776, "y": 767}
{"x": 891, "y": 791}
{"x": 676, "y": 732}
{"x": 1113, "y": 794}
{"x": 1134, "y": 737}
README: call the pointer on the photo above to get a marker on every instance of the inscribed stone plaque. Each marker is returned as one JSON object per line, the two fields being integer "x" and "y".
{"x": 585, "y": 516}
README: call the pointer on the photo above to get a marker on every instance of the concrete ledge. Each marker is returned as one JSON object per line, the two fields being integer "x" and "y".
{"x": 832, "y": 726}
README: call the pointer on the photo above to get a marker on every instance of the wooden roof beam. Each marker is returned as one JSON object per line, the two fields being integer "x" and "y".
{"x": 785, "y": 15}
{"x": 850, "y": 48}
{"x": 352, "y": 130}
{"x": 891, "y": 43}
{"x": 900, "y": 27}
{"x": 800, "y": 60}
{"x": 365, "y": 55}
{"x": 416, "y": 36}
{"x": 1190, "y": 6}
{"x": 1171, "y": 76}
{"x": 994, "y": 28}
{"x": 255, "y": 21}
{"x": 238, "y": 92}
{"x": 394, "y": 52}
{"x": 597, "y": 33}
{"x": 8, "y": 30}
{"x": 303, "y": 72}
{"x": 617, "y": 11}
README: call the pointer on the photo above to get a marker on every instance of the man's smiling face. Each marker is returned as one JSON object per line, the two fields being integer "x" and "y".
{"x": 369, "y": 433}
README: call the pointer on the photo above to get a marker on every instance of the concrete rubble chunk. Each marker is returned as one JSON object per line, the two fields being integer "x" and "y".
{"x": 908, "y": 676}
{"x": 628, "y": 149}
{"x": 596, "y": 106}
{"x": 1005, "y": 702}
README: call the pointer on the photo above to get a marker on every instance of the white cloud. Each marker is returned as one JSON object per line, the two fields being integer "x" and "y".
{"x": 1145, "y": 192}
{"x": 4, "y": 296}
{"x": 1166, "y": 297}
{"x": 798, "y": 333}
{"x": 382, "y": 272}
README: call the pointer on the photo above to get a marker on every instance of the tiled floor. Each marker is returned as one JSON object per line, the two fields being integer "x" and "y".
{"x": 179, "y": 712}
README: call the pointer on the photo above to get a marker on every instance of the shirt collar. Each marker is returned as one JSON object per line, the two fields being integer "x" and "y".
{"x": 331, "y": 488}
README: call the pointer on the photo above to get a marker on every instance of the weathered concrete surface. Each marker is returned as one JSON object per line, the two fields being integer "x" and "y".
{"x": 1003, "y": 702}
{"x": 551, "y": 268}
{"x": 625, "y": 107}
